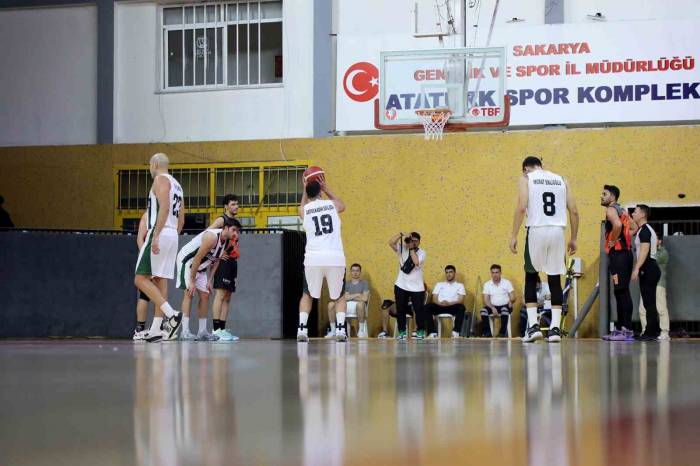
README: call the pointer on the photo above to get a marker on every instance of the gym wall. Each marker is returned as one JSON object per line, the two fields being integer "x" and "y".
{"x": 459, "y": 194}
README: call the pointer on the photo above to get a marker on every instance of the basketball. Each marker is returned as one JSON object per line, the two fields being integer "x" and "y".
{"x": 313, "y": 173}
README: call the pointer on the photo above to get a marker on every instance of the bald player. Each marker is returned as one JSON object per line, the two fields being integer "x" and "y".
{"x": 544, "y": 197}
{"x": 156, "y": 261}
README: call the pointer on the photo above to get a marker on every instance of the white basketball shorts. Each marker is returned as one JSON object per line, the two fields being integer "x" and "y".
{"x": 184, "y": 274}
{"x": 545, "y": 250}
{"x": 335, "y": 277}
{"x": 162, "y": 264}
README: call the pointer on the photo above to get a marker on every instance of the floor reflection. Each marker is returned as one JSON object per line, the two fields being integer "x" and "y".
{"x": 365, "y": 402}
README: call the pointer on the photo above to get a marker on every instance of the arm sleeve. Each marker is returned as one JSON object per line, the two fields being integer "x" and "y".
{"x": 644, "y": 235}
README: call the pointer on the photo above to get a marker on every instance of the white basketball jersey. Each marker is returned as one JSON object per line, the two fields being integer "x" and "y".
{"x": 324, "y": 243}
{"x": 189, "y": 250}
{"x": 546, "y": 205}
{"x": 173, "y": 206}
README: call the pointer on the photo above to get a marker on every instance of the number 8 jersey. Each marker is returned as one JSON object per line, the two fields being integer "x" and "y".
{"x": 324, "y": 243}
{"x": 546, "y": 205}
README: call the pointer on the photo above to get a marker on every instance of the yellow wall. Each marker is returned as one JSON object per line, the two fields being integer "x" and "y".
{"x": 458, "y": 193}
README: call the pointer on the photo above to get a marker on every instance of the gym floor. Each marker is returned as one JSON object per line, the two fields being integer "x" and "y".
{"x": 476, "y": 401}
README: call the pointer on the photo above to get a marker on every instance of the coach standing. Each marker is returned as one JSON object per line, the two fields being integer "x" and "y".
{"x": 646, "y": 270}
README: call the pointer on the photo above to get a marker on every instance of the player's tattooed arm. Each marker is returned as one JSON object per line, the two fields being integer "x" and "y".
{"x": 519, "y": 214}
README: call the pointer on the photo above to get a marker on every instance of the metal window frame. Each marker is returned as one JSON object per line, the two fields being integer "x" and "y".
{"x": 222, "y": 22}
{"x": 261, "y": 211}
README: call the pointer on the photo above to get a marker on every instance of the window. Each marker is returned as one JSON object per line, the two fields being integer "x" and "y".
{"x": 221, "y": 45}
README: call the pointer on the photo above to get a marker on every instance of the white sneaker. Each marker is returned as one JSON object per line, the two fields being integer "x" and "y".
{"x": 187, "y": 336}
{"x": 225, "y": 335}
{"x": 663, "y": 336}
{"x": 414, "y": 334}
{"x": 382, "y": 335}
{"x": 455, "y": 334}
{"x": 206, "y": 336}
{"x": 140, "y": 336}
{"x": 156, "y": 337}
{"x": 362, "y": 334}
{"x": 533, "y": 334}
{"x": 340, "y": 335}
{"x": 330, "y": 334}
{"x": 432, "y": 336}
{"x": 302, "y": 336}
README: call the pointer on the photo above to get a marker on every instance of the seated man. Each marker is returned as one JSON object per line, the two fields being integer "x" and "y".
{"x": 448, "y": 298}
{"x": 499, "y": 296}
{"x": 356, "y": 297}
{"x": 544, "y": 307}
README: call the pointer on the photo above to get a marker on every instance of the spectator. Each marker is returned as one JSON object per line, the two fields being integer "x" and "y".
{"x": 5, "y": 220}
{"x": 448, "y": 298}
{"x": 356, "y": 296}
{"x": 409, "y": 284}
{"x": 499, "y": 296}
{"x": 544, "y": 306}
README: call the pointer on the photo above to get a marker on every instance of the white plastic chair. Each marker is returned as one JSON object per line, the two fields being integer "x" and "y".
{"x": 439, "y": 322}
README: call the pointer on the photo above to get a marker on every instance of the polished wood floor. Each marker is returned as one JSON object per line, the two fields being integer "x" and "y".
{"x": 476, "y": 401}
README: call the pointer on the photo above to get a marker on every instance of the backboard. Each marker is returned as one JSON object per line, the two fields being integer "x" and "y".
{"x": 468, "y": 81}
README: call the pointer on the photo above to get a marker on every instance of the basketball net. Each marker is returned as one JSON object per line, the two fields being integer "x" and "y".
{"x": 433, "y": 120}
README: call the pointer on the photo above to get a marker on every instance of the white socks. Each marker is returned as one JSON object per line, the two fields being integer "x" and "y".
{"x": 202, "y": 326}
{"x": 556, "y": 317}
{"x": 531, "y": 316}
{"x": 340, "y": 318}
{"x": 332, "y": 327}
{"x": 363, "y": 327}
{"x": 155, "y": 325}
{"x": 167, "y": 309}
{"x": 303, "y": 319}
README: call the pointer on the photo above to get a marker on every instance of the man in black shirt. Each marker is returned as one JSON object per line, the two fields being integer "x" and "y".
{"x": 646, "y": 270}
{"x": 5, "y": 220}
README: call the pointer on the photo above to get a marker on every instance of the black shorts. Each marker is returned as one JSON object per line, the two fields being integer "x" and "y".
{"x": 226, "y": 274}
{"x": 620, "y": 264}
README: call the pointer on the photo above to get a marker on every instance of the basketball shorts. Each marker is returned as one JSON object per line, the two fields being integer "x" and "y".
{"x": 620, "y": 264}
{"x": 545, "y": 250}
{"x": 226, "y": 274}
{"x": 184, "y": 277}
{"x": 334, "y": 275}
{"x": 162, "y": 264}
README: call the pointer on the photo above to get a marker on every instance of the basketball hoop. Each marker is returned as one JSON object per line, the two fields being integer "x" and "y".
{"x": 434, "y": 120}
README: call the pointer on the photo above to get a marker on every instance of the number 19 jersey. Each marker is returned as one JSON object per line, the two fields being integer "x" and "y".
{"x": 546, "y": 204}
{"x": 324, "y": 243}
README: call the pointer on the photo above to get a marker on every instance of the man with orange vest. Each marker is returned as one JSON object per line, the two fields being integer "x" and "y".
{"x": 618, "y": 246}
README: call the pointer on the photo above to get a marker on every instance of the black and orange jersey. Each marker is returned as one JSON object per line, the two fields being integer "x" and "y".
{"x": 624, "y": 241}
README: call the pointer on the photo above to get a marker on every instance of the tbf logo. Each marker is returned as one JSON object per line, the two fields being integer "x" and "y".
{"x": 361, "y": 81}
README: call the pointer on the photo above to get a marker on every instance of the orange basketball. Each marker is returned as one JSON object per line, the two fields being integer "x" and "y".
{"x": 313, "y": 174}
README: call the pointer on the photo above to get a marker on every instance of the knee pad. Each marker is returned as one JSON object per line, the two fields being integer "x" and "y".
{"x": 555, "y": 290}
{"x": 530, "y": 287}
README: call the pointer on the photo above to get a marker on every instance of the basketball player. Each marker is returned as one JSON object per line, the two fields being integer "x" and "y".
{"x": 618, "y": 246}
{"x": 544, "y": 196}
{"x": 325, "y": 257}
{"x": 193, "y": 262}
{"x": 226, "y": 273}
{"x": 140, "y": 331}
{"x": 156, "y": 261}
